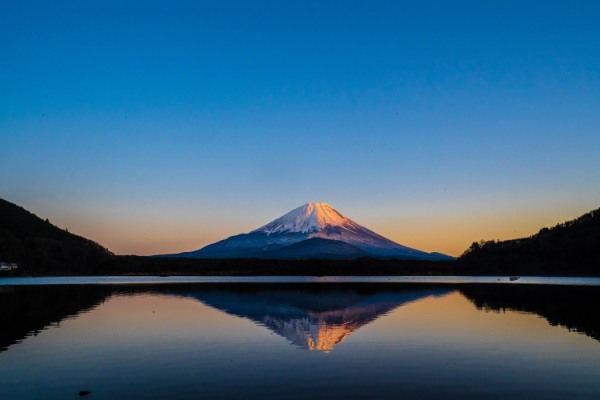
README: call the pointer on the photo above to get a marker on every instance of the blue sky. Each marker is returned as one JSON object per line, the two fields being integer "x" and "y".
{"x": 155, "y": 127}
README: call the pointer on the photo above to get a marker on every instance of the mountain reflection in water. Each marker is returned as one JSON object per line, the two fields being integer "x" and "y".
{"x": 310, "y": 316}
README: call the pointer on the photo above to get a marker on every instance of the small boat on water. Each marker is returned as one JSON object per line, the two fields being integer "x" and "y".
{"x": 513, "y": 278}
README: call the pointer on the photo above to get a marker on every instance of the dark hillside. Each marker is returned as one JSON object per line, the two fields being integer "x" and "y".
{"x": 37, "y": 246}
{"x": 570, "y": 248}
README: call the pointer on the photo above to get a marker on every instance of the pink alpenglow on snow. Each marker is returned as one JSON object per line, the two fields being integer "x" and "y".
{"x": 314, "y": 230}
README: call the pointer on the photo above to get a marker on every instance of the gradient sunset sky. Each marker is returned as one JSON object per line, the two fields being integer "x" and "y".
{"x": 162, "y": 126}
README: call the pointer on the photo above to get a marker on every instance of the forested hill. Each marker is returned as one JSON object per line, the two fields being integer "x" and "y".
{"x": 38, "y": 246}
{"x": 570, "y": 248}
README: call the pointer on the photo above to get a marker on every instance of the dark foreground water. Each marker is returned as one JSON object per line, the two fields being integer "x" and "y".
{"x": 300, "y": 341}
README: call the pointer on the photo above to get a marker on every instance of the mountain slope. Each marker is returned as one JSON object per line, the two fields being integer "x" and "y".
{"x": 569, "y": 248}
{"x": 317, "y": 248}
{"x": 307, "y": 222}
{"x": 37, "y": 245}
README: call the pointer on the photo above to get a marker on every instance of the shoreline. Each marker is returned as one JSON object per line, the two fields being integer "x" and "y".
{"x": 148, "y": 279}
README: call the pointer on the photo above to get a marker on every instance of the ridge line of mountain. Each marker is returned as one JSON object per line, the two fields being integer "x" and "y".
{"x": 291, "y": 236}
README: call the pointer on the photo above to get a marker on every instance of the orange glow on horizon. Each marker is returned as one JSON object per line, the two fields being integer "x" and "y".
{"x": 449, "y": 234}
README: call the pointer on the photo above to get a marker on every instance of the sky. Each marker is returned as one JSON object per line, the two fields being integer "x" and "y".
{"x": 162, "y": 126}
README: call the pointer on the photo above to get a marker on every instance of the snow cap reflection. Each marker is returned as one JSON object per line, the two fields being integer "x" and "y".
{"x": 311, "y": 319}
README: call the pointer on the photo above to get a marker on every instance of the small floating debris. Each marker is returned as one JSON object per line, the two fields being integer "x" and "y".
{"x": 514, "y": 278}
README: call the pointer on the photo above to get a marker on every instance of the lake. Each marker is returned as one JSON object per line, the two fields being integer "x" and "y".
{"x": 299, "y": 338}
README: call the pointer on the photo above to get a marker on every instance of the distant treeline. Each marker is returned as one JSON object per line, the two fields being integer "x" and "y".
{"x": 570, "y": 248}
{"x": 186, "y": 266}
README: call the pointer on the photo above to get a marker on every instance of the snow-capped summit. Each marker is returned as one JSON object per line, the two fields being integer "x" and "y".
{"x": 314, "y": 230}
{"x": 311, "y": 217}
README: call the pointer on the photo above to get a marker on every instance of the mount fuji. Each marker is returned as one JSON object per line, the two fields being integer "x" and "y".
{"x": 314, "y": 230}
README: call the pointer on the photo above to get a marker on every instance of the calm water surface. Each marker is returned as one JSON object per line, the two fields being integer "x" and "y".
{"x": 299, "y": 340}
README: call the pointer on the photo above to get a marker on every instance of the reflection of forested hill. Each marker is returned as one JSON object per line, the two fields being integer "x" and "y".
{"x": 573, "y": 307}
{"x": 26, "y": 310}
{"x": 310, "y": 316}
{"x": 571, "y": 248}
